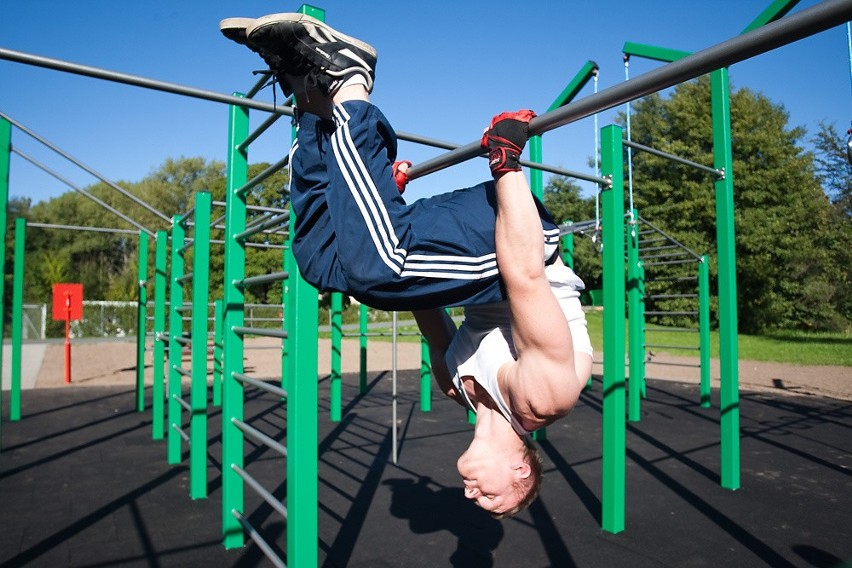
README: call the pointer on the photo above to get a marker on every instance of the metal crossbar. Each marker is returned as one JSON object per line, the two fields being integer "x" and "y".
{"x": 259, "y": 437}
{"x": 182, "y": 402}
{"x": 261, "y": 490}
{"x": 258, "y": 540}
{"x": 766, "y": 38}
{"x": 261, "y": 385}
{"x": 636, "y": 146}
{"x": 263, "y": 332}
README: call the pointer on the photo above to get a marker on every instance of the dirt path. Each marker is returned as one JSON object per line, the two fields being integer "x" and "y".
{"x": 114, "y": 363}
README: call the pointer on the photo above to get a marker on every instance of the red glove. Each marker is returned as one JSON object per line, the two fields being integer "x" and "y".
{"x": 505, "y": 138}
{"x": 399, "y": 176}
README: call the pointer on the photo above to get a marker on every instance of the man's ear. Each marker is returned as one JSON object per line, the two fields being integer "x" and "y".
{"x": 521, "y": 469}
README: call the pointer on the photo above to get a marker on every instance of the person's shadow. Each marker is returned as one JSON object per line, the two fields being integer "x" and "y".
{"x": 445, "y": 509}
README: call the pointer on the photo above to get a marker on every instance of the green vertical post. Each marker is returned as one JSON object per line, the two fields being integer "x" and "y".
{"x": 175, "y": 390}
{"x": 284, "y": 293}
{"x": 158, "y": 389}
{"x": 234, "y": 316}
{"x": 571, "y": 90}
{"x": 567, "y": 242}
{"x": 612, "y": 220}
{"x": 727, "y": 281}
{"x": 217, "y": 353}
{"x": 335, "y": 380}
{"x": 17, "y": 317}
{"x": 643, "y": 336}
{"x": 635, "y": 321}
{"x": 302, "y": 404}
{"x": 199, "y": 326}
{"x": 425, "y": 376}
{"x": 5, "y": 158}
{"x": 141, "y": 318}
{"x": 704, "y": 329}
{"x": 363, "y": 320}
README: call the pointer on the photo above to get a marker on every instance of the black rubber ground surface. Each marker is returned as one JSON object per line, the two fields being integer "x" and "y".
{"x": 83, "y": 484}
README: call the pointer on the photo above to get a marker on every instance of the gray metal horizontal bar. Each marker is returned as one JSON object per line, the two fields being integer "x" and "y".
{"x": 765, "y": 38}
{"x": 669, "y": 237}
{"x": 664, "y": 296}
{"x": 79, "y": 228}
{"x": 674, "y": 254}
{"x": 259, "y": 437}
{"x": 185, "y": 278}
{"x": 671, "y": 279}
{"x": 264, "y": 126}
{"x": 243, "y": 378}
{"x": 183, "y": 340}
{"x": 671, "y": 329}
{"x": 83, "y": 192}
{"x": 264, "y": 278}
{"x": 570, "y": 228}
{"x": 181, "y": 371}
{"x": 261, "y": 490}
{"x": 181, "y": 432}
{"x": 636, "y": 146}
{"x": 674, "y": 364}
{"x": 262, "y": 176}
{"x": 184, "y": 308}
{"x": 186, "y": 247}
{"x": 665, "y": 247}
{"x": 255, "y": 208}
{"x": 664, "y": 262}
{"x": 260, "y": 331}
{"x": 663, "y": 313}
{"x": 262, "y": 226}
{"x": 258, "y": 540}
{"x": 649, "y": 345}
{"x": 174, "y": 88}
{"x": 182, "y": 402}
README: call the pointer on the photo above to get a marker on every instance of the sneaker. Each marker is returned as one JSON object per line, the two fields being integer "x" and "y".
{"x": 235, "y": 30}
{"x": 308, "y": 47}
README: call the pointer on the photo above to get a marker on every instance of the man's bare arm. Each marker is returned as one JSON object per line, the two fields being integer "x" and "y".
{"x": 439, "y": 329}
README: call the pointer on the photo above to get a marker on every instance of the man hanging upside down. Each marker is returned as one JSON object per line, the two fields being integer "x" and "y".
{"x": 522, "y": 355}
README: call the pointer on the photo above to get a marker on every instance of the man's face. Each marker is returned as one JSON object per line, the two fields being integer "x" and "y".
{"x": 489, "y": 479}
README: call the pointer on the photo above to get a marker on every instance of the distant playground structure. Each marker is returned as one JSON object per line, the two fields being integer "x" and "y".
{"x": 635, "y": 254}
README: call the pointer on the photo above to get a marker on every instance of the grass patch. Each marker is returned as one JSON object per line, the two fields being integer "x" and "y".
{"x": 795, "y": 347}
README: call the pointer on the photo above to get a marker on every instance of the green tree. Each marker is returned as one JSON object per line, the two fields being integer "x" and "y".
{"x": 786, "y": 273}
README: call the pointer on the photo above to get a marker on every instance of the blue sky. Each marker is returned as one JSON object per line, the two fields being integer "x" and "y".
{"x": 444, "y": 69}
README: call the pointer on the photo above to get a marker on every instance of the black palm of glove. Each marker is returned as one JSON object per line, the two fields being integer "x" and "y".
{"x": 505, "y": 138}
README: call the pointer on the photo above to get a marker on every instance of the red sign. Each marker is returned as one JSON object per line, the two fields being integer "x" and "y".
{"x": 67, "y": 301}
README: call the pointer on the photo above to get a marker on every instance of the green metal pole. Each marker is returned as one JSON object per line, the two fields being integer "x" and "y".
{"x": 336, "y": 394}
{"x": 643, "y": 337}
{"x": 175, "y": 410}
{"x": 425, "y": 376}
{"x": 727, "y": 282}
{"x": 232, "y": 342}
{"x": 570, "y": 91}
{"x": 17, "y": 317}
{"x": 141, "y": 318}
{"x": 568, "y": 247}
{"x": 302, "y": 416}
{"x": 158, "y": 389}
{"x": 198, "y": 388}
{"x": 363, "y": 320}
{"x": 635, "y": 321}
{"x": 217, "y": 353}
{"x": 612, "y": 220}
{"x": 704, "y": 329}
{"x": 5, "y": 158}
{"x": 284, "y": 293}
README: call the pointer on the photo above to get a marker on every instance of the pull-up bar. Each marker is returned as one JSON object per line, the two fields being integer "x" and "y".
{"x": 766, "y": 38}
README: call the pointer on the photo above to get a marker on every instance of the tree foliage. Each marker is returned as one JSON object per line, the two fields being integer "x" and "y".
{"x": 792, "y": 240}
{"x": 107, "y": 263}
